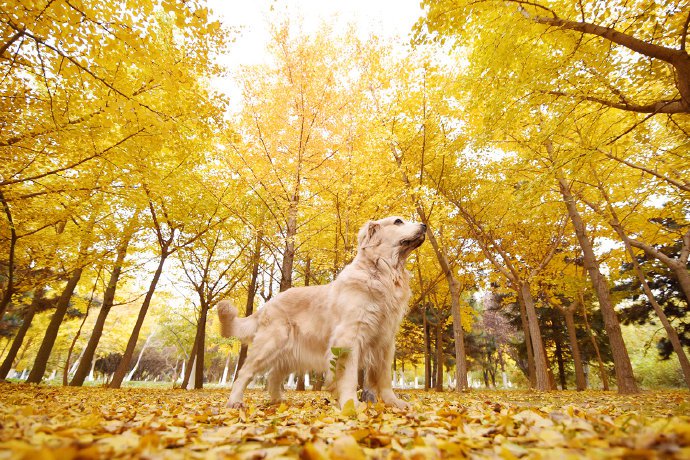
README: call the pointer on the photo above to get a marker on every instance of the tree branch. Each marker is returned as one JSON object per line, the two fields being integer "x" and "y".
{"x": 685, "y": 249}
{"x": 13, "y": 140}
{"x": 75, "y": 164}
{"x": 552, "y": 250}
{"x": 672, "y": 106}
{"x": 684, "y": 34}
{"x": 675, "y": 183}
{"x": 9, "y": 42}
{"x": 639, "y": 46}
{"x": 652, "y": 251}
{"x": 84, "y": 68}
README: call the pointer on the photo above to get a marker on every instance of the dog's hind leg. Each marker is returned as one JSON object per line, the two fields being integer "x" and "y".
{"x": 259, "y": 358}
{"x": 275, "y": 384}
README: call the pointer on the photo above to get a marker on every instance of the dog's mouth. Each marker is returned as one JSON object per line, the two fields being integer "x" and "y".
{"x": 410, "y": 244}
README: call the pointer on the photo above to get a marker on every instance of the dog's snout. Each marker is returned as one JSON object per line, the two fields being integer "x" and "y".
{"x": 424, "y": 227}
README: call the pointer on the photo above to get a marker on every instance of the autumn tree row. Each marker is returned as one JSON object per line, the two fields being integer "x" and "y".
{"x": 108, "y": 122}
{"x": 540, "y": 163}
{"x": 581, "y": 108}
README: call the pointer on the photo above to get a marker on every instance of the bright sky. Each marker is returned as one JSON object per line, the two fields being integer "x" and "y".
{"x": 392, "y": 19}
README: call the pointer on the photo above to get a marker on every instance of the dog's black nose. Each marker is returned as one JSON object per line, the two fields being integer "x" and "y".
{"x": 424, "y": 227}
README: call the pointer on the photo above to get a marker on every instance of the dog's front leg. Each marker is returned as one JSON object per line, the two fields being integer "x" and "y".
{"x": 384, "y": 378}
{"x": 346, "y": 375}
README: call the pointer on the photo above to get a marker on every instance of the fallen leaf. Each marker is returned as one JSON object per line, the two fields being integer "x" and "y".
{"x": 346, "y": 448}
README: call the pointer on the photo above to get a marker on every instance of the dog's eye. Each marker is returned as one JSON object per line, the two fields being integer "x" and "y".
{"x": 398, "y": 222}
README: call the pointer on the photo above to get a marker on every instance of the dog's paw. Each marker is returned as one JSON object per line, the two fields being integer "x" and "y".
{"x": 368, "y": 396}
{"x": 397, "y": 403}
{"x": 400, "y": 404}
{"x": 235, "y": 405}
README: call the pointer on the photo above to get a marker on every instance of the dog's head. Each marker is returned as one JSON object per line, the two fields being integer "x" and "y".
{"x": 392, "y": 238}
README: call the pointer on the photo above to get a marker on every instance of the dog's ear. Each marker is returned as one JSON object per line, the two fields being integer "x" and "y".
{"x": 369, "y": 234}
{"x": 373, "y": 232}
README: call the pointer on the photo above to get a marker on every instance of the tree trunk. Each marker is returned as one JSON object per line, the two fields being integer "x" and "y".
{"x": 561, "y": 364}
{"x": 668, "y": 327}
{"x": 141, "y": 353}
{"x": 21, "y": 333}
{"x": 68, "y": 365}
{"x": 73, "y": 368}
{"x": 289, "y": 252}
{"x": 301, "y": 384}
{"x": 226, "y": 369}
{"x": 439, "y": 355}
{"x": 459, "y": 335}
{"x": 501, "y": 363}
{"x": 251, "y": 293}
{"x": 625, "y": 377}
{"x": 122, "y": 368}
{"x": 602, "y": 369}
{"x": 683, "y": 277}
{"x": 192, "y": 371}
{"x": 455, "y": 289}
{"x": 108, "y": 300}
{"x": 8, "y": 291}
{"x": 317, "y": 379}
{"x": 183, "y": 371}
{"x": 67, "y": 368}
{"x": 187, "y": 374}
{"x": 433, "y": 369}
{"x": 200, "y": 348}
{"x": 22, "y": 352}
{"x": 568, "y": 314}
{"x": 427, "y": 352}
{"x": 175, "y": 373}
{"x": 41, "y": 361}
{"x": 541, "y": 370}
{"x": 678, "y": 266}
{"x": 627, "y": 242}
{"x": 552, "y": 377}
{"x": 531, "y": 373}
{"x": 89, "y": 378}
{"x": 453, "y": 284}
{"x": 307, "y": 271}
{"x": 241, "y": 358}
{"x": 4, "y": 348}
{"x": 301, "y": 379}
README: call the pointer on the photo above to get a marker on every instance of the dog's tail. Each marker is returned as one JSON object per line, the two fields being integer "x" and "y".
{"x": 232, "y": 326}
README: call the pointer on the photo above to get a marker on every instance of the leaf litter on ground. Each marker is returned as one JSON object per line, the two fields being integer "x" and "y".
{"x": 42, "y": 422}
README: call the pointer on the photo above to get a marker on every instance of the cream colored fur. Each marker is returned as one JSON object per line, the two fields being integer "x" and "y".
{"x": 360, "y": 311}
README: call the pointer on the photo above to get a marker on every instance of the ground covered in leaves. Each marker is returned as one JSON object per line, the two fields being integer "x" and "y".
{"x": 39, "y": 422}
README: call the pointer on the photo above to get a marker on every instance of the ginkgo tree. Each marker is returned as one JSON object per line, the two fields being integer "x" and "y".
{"x": 299, "y": 116}
{"x": 90, "y": 81}
{"x": 416, "y": 130}
{"x": 542, "y": 73}
{"x": 630, "y": 56}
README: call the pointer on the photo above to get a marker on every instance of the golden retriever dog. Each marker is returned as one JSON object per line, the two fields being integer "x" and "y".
{"x": 356, "y": 315}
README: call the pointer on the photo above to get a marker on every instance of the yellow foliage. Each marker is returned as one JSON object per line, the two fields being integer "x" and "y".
{"x": 112, "y": 121}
